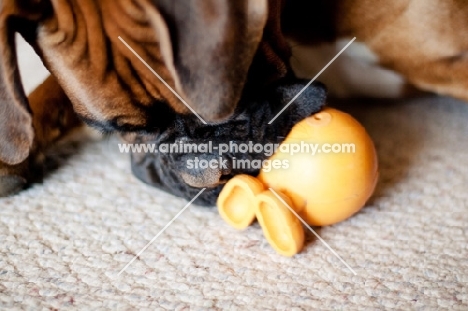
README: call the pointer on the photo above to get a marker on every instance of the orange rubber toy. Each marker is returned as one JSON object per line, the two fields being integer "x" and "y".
{"x": 323, "y": 185}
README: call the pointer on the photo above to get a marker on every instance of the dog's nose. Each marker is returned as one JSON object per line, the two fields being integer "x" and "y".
{"x": 208, "y": 171}
{"x": 209, "y": 178}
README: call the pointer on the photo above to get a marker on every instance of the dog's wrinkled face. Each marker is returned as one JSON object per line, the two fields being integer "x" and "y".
{"x": 201, "y": 48}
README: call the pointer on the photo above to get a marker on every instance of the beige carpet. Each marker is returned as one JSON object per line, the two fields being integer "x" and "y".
{"x": 63, "y": 242}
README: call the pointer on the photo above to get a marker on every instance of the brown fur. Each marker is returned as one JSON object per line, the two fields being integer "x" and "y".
{"x": 107, "y": 85}
{"x": 207, "y": 50}
{"x": 423, "y": 40}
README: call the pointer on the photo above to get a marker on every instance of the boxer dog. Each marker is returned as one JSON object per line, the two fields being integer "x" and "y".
{"x": 211, "y": 52}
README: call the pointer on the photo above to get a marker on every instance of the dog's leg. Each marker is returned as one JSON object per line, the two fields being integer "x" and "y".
{"x": 424, "y": 42}
{"x": 53, "y": 114}
{"x": 53, "y": 118}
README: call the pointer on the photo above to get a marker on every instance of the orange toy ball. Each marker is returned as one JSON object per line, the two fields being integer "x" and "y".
{"x": 334, "y": 183}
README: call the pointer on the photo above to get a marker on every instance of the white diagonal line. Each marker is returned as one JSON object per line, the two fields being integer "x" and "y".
{"x": 160, "y": 232}
{"x": 312, "y": 230}
{"x": 312, "y": 81}
{"x": 162, "y": 80}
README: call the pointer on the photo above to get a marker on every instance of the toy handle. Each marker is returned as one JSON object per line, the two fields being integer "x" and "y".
{"x": 236, "y": 202}
{"x": 281, "y": 227}
{"x": 244, "y": 197}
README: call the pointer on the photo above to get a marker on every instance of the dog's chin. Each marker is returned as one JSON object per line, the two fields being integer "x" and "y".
{"x": 143, "y": 119}
{"x": 112, "y": 126}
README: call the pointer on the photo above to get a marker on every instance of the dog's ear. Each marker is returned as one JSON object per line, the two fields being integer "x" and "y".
{"x": 15, "y": 120}
{"x": 213, "y": 43}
